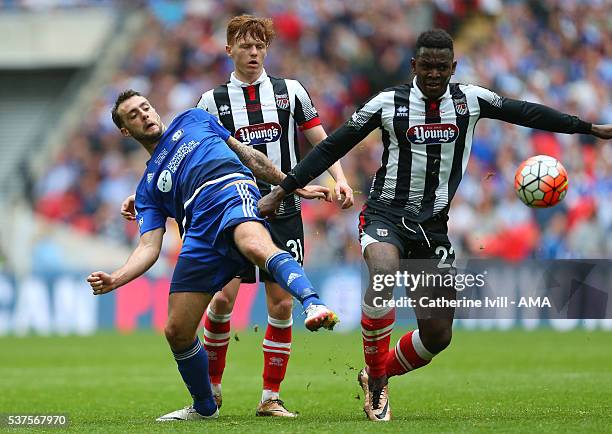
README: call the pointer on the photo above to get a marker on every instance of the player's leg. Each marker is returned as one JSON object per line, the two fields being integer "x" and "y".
{"x": 288, "y": 234}
{"x": 217, "y": 334}
{"x": 276, "y": 350}
{"x": 253, "y": 240}
{"x": 377, "y": 323}
{"x": 206, "y": 264}
{"x": 185, "y": 310}
{"x": 382, "y": 246}
{"x": 418, "y": 347}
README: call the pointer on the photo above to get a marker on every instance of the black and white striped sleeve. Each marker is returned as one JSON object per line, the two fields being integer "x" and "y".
{"x": 305, "y": 113}
{"x": 207, "y": 101}
{"x": 528, "y": 114}
{"x": 365, "y": 120}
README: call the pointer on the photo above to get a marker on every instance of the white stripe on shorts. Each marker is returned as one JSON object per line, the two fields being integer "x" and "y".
{"x": 201, "y": 187}
{"x": 247, "y": 199}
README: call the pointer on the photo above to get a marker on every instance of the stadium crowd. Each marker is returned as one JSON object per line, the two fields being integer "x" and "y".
{"x": 556, "y": 53}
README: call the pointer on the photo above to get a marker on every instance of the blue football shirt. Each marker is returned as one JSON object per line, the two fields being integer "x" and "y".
{"x": 190, "y": 153}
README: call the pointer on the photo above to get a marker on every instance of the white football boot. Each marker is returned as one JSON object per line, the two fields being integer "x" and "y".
{"x": 320, "y": 316}
{"x": 375, "y": 403}
{"x": 187, "y": 413}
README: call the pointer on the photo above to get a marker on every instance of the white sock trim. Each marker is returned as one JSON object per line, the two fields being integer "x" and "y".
{"x": 377, "y": 338}
{"x": 280, "y": 323}
{"x": 371, "y": 333}
{"x": 216, "y": 344}
{"x": 189, "y": 353}
{"x": 420, "y": 349}
{"x": 268, "y": 394}
{"x": 401, "y": 358}
{"x": 375, "y": 312}
{"x": 216, "y": 336}
{"x": 272, "y": 257}
{"x": 216, "y": 317}
{"x": 278, "y": 351}
{"x": 273, "y": 344}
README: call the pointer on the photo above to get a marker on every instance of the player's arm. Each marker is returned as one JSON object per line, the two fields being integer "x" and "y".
{"x": 602, "y": 131}
{"x": 263, "y": 168}
{"x": 204, "y": 104}
{"x": 322, "y": 156}
{"x": 260, "y": 165}
{"x": 141, "y": 259}
{"x": 306, "y": 116}
{"x": 343, "y": 190}
{"x": 128, "y": 211}
{"x": 538, "y": 116}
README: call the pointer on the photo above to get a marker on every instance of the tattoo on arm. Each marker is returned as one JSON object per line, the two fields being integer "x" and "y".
{"x": 259, "y": 164}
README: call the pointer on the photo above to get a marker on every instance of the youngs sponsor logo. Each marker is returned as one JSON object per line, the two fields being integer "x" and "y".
{"x": 259, "y": 133}
{"x": 428, "y": 134}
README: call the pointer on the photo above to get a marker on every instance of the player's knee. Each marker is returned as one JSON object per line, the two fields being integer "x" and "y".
{"x": 281, "y": 309}
{"x": 436, "y": 339}
{"x": 222, "y": 304}
{"x": 378, "y": 272}
{"x": 177, "y": 336}
{"x": 383, "y": 267}
{"x": 253, "y": 249}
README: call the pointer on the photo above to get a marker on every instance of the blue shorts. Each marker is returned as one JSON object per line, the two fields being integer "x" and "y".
{"x": 209, "y": 258}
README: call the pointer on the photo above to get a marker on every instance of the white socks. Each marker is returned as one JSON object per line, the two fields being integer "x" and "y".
{"x": 268, "y": 394}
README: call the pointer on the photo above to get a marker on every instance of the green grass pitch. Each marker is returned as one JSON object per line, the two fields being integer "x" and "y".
{"x": 512, "y": 381}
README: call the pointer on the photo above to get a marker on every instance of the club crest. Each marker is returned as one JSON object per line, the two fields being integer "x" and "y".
{"x": 282, "y": 101}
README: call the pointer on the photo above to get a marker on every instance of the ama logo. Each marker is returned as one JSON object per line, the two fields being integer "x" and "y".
{"x": 428, "y": 134}
{"x": 259, "y": 133}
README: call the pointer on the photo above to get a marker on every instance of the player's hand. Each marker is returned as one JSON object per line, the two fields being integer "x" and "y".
{"x": 315, "y": 192}
{"x": 344, "y": 193}
{"x": 268, "y": 204}
{"x": 128, "y": 211}
{"x": 602, "y": 131}
{"x": 100, "y": 282}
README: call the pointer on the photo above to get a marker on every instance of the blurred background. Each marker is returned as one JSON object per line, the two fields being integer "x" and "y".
{"x": 65, "y": 169}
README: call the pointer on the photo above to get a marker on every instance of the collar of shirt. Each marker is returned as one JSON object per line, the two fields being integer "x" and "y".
{"x": 236, "y": 82}
{"x": 420, "y": 95}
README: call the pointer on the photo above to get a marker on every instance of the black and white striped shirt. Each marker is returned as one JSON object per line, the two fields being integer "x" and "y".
{"x": 267, "y": 115}
{"x": 427, "y": 143}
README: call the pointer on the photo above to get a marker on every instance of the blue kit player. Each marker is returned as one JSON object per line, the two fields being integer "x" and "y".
{"x": 197, "y": 175}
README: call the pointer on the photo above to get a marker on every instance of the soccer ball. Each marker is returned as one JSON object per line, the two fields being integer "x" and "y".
{"x": 541, "y": 181}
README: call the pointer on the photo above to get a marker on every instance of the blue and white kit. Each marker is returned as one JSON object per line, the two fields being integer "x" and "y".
{"x": 194, "y": 177}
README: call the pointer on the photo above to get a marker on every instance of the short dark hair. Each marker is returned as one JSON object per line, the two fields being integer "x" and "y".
{"x": 434, "y": 38}
{"x": 125, "y": 95}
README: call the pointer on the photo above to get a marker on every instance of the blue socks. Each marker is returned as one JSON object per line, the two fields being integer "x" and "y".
{"x": 193, "y": 365}
{"x": 288, "y": 273}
